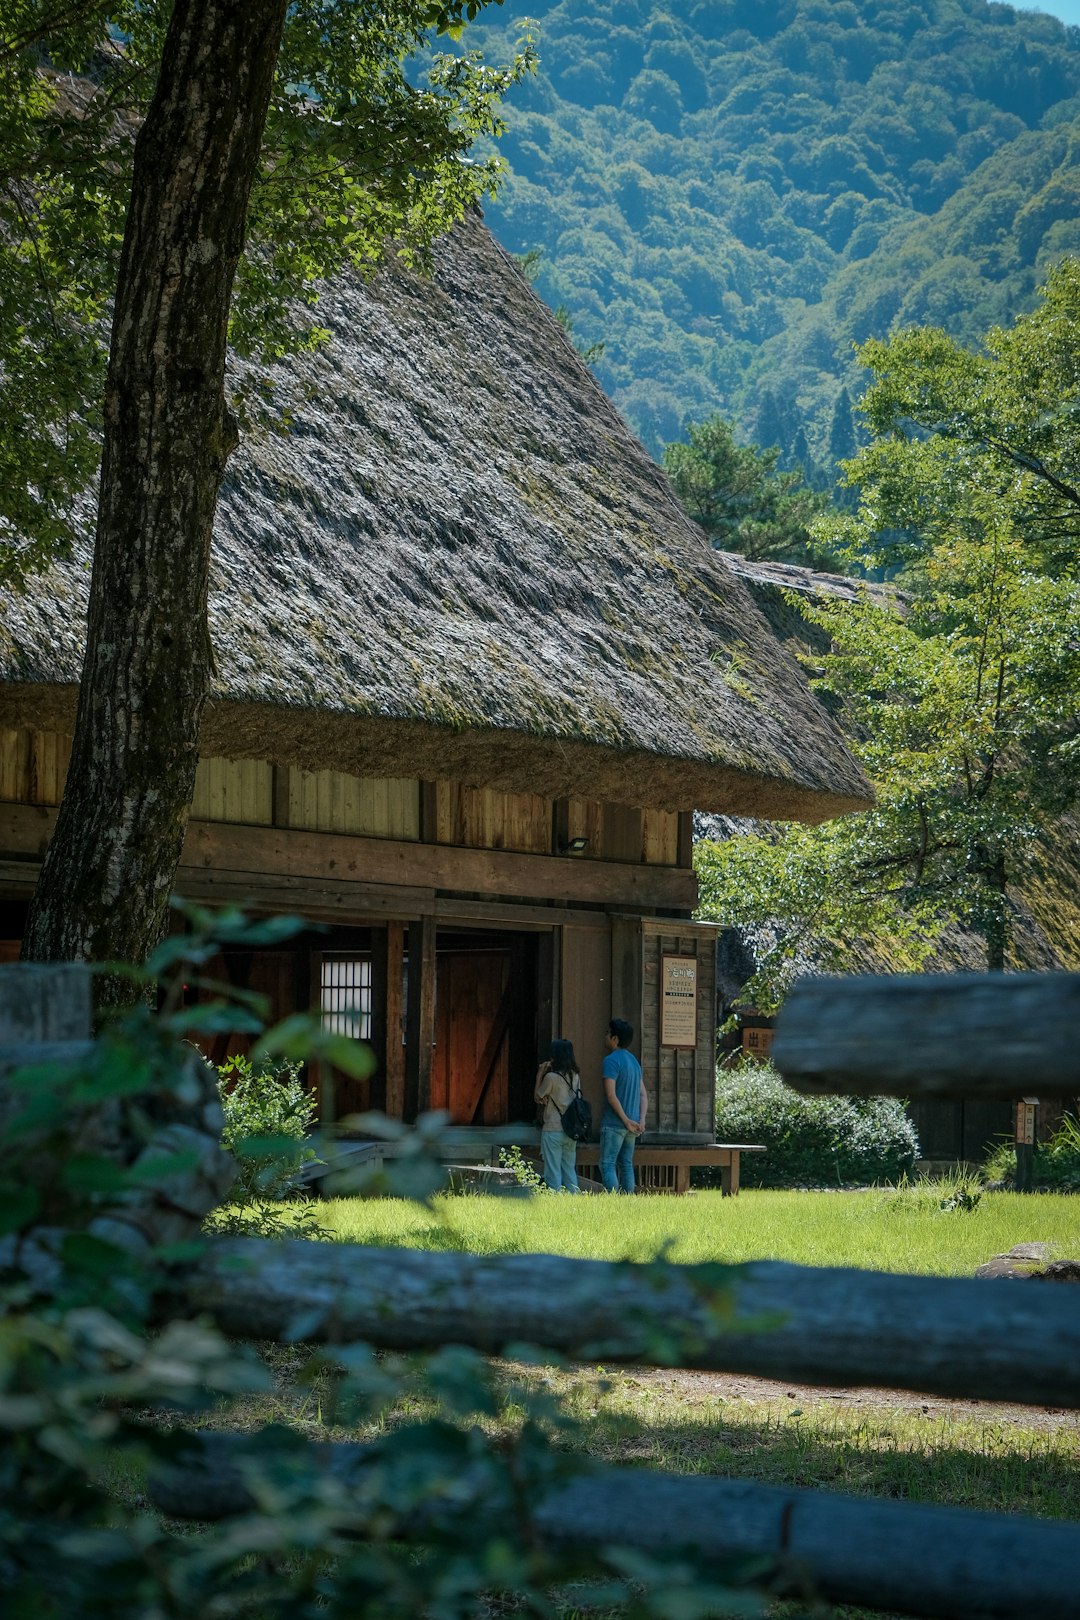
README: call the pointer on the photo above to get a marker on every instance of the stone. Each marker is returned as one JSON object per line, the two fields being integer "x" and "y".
{"x": 1026, "y": 1260}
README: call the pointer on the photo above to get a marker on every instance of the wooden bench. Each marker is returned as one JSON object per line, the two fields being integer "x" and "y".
{"x": 680, "y": 1161}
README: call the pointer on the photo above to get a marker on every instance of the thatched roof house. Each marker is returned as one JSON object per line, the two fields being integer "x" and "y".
{"x": 459, "y": 554}
{"x": 462, "y": 629}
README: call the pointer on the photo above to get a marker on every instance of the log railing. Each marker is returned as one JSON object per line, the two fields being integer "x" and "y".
{"x": 952, "y": 1336}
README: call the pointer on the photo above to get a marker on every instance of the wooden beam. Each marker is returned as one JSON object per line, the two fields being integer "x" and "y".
{"x": 421, "y": 1017}
{"x": 321, "y": 901}
{"x": 685, "y": 855}
{"x": 954, "y": 1563}
{"x": 933, "y": 1035}
{"x": 979, "y": 1340}
{"x": 338, "y": 858}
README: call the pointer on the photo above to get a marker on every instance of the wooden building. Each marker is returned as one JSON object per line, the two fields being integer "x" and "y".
{"x": 476, "y": 670}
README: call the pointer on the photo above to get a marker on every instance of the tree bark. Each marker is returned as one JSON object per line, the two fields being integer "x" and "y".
{"x": 109, "y": 870}
{"x": 1013, "y": 1341}
{"x": 949, "y": 1562}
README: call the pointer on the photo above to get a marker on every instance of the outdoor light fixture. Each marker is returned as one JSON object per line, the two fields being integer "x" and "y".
{"x": 573, "y": 846}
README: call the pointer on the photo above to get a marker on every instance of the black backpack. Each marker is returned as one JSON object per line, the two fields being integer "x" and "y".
{"x": 576, "y": 1117}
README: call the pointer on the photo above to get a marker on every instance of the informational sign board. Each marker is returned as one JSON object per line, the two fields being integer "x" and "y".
{"x": 678, "y": 1002}
{"x": 1025, "y": 1120}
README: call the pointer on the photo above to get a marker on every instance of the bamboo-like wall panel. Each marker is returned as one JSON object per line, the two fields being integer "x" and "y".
{"x": 234, "y": 790}
{"x": 482, "y": 818}
{"x": 373, "y": 807}
{"x": 684, "y": 1081}
{"x": 33, "y": 766}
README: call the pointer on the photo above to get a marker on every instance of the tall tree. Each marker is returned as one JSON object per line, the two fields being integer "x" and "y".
{"x": 285, "y": 129}
{"x": 739, "y": 498}
{"x": 962, "y": 694}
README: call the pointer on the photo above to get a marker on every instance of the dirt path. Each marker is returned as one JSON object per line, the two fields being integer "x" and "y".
{"x": 696, "y": 1388}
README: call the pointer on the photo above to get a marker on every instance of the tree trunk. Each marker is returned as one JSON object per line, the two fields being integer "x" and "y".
{"x": 105, "y": 885}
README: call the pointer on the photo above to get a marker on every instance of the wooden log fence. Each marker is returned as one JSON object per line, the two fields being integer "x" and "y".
{"x": 949, "y": 1336}
{"x": 951, "y": 1562}
{"x": 1013, "y": 1341}
{"x": 990, "y": 1035}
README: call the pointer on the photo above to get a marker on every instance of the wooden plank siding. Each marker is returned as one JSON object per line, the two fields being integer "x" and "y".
{"x": 252, "y": 792}
{"x": 483, "y": 818}
{"x": 234, "y": 790}
{"x": 660, "y": 837}
{"x": 371, "y": 807}
{"x": 33, "y": 766}
{"x": 618, "y": 832}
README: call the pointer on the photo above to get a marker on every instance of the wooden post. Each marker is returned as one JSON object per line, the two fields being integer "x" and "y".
{"x": 394, "y": 1019}
{"x": 685, "y": 856}
{"x": 420, "y": 1016}
{"x": 626, "y": 977}
{"x": 1025, "y": 1143}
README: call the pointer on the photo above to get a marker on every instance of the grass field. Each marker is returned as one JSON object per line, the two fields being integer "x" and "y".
{"x": 884, "y": 1230}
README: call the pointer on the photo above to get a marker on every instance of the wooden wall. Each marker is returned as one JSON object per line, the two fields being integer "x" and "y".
{"x": 33, "y": 765}
{"x": 617, "y": 832}
{"x": 330, "y": 801}
{"x": 482, "y": 818}
{"x": 234, "y": 790}
{"x": 585, "y": 1003}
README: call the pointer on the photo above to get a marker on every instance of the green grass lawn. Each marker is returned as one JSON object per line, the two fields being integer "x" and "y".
{"x": 882, "y": 1230}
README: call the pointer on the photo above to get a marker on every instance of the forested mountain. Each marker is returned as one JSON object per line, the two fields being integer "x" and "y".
{"x": 729, "y": 193}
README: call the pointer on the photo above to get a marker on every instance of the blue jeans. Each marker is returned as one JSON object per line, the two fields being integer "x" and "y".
{"x": 617, "y": 1158}
{"x": 559, "y": 1153}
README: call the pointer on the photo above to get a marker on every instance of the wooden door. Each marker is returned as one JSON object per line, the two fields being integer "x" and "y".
{"x": 475, "y": 1009}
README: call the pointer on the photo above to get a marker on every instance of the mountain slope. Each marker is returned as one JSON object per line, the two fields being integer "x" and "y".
{"x": 729, "y": 193}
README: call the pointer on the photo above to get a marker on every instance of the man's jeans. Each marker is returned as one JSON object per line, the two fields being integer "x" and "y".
{"x": 617, "y": 1158}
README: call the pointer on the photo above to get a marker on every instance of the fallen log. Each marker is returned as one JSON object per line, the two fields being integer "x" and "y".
{"x": 983, "y": 1035}
{"x": 950, "y": 1563}
{"x": 1017, "y": 1341}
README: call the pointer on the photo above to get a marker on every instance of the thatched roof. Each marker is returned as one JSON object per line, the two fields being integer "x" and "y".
{"x": 459, "y": 563}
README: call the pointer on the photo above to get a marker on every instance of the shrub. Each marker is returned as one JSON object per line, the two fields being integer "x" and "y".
{"x": 268, "y": 1114}
{"x": 811, "y": 1141}
{"x": 1055, "y": 1164}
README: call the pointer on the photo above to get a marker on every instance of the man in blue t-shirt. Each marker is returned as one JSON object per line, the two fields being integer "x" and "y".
{"x": 625, "y": 1106}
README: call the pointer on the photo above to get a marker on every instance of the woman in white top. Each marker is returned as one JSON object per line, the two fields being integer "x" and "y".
{"x": 556, "y": 1081}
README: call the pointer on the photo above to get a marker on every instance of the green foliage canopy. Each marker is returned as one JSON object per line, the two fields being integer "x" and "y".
{"x": 356, "y": 162}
